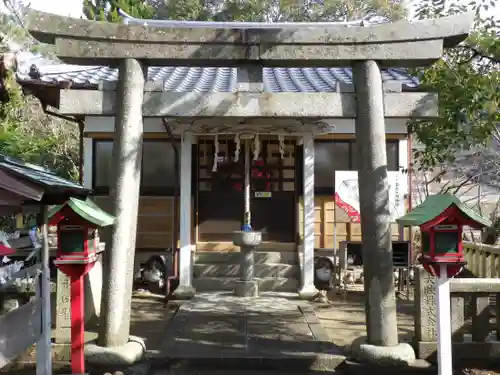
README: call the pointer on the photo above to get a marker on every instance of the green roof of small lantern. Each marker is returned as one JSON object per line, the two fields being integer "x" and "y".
{"x": 88, "y": 210}
{"x": 434, "y": 206}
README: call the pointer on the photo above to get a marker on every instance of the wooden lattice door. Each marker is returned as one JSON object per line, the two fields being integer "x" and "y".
{"x": 220, "y": 198}
{"x": 273, "y": 192}
{"x": 220, "y": 192}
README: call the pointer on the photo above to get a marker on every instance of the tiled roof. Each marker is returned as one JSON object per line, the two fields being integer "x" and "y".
{"x": 40, "y": 176}
{"x": 185, "y": 79}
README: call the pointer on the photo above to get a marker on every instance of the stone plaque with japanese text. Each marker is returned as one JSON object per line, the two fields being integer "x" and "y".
{"x": 63, "y": 310}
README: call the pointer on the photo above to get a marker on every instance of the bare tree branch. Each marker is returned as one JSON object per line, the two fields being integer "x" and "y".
{"x": 476, "y": 53}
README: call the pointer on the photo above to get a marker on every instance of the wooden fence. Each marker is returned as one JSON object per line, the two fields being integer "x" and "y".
{"x": 483, "y": 261}
{"x": 475, "y": 326}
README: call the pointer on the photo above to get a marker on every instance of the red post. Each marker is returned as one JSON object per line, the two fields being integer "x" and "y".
{"x": 77, "y": 245}
{"x": 77, "y": 324}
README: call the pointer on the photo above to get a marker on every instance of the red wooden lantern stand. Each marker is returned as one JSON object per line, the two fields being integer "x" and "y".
{"x": 76, "y": 273}
{"x": 441, "y": 218}
{"x": 77, "y": 243}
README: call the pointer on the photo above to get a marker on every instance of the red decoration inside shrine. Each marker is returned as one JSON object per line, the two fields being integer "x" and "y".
{"x": 258, "y": 173}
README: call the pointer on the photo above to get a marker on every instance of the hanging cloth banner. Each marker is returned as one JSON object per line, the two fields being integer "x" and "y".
{"x": 347, "y": 194}
{"x": 353, "y": 214}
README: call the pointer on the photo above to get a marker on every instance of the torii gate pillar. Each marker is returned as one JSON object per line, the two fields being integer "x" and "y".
{"x": 114, "y": 327}
{"x": 374, "y": 198}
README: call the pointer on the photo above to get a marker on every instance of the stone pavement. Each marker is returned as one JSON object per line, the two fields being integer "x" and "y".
{"x": 275, "y": 331}
{"x": 343, "y": 318}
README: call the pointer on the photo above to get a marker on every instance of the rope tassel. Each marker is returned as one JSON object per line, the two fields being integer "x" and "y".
{"x": 281, "y": 146}
{"x": 237, "y": 147}
{"x": 216, "y": 152}
{"x": 256, "y": 147}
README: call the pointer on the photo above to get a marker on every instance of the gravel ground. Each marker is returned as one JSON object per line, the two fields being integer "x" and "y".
{"x": 149, "y": 319}
{"x": 344, "y": 320}
{"x": 344, "y": 316}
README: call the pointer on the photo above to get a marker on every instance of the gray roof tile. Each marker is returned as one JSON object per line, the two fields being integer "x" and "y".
{"x": 185, "y": 79}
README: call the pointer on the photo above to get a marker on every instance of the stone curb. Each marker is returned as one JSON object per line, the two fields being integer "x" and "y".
{"x": 322, "y": 362}
{"x": 141, "y": 368}
{"x": 63, "y": 367}
{"x": 420, "y": 367}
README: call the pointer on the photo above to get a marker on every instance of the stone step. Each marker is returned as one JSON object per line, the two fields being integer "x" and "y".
{"x": 276, "y": 284}
{"x": 233, "y": 270}
{"x": 233, "y": 257}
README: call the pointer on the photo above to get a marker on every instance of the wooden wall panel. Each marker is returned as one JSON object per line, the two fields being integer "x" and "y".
{"x": 328, "y": 218}
{"x": 229, "y": 246}
{"x": 153, "y": 240}
{"x": 156, "y": 205}
{"x": 325, "y": 219}
{"x": 154, "y": 223}
{"x": 355, "y": 230}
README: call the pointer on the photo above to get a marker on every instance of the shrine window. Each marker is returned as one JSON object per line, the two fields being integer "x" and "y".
{"x": 392, "y": 152}
{"x": 330, "y": 156}
{"x": 157, "y": 170}
{"x": 341, "y": 155}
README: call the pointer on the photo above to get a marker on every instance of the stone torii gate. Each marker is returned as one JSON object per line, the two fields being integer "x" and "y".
{"x": 366, "y": 49}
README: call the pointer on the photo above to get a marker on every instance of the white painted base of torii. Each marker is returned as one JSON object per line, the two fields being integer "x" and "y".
{"x": 444, "y": 348}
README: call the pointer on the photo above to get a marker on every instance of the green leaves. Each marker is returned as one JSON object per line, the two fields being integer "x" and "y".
{"x": 467, "y": 79}
{"x": 244, "y": 10}
{"x": 27, "y": 133}
{"x": 107, "y": 10}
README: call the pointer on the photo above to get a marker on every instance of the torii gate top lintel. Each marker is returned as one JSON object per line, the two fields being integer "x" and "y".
{"x": 400, "y": 43}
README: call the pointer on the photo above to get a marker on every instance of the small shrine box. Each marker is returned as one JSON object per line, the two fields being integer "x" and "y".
{"x": 77, "y": 243}
{"x": 441, "y": 218}
{"x": 78, "y": 224}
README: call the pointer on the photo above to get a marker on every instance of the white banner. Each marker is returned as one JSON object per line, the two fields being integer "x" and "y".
{"x": 347, "y": 193}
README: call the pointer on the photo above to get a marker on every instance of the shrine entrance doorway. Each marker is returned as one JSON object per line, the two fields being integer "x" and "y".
{"x": 273, "y": 185}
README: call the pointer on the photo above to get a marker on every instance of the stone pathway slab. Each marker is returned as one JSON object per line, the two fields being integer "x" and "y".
{"x": 276, "y": 330}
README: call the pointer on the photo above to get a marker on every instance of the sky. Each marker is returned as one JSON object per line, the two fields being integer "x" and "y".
{"x": 73, "y": 8}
